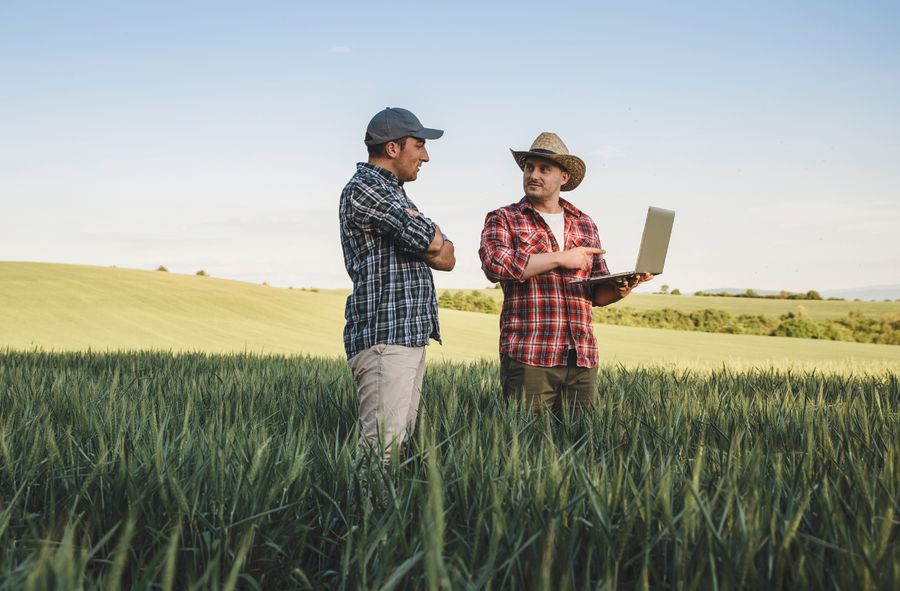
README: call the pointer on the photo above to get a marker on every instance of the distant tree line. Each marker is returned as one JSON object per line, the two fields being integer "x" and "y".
{"x": 854, "y": 327}
{"x": 781, "y": 295}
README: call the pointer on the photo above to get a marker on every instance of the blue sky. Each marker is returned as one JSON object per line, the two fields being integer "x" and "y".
{"x": 219, "y": 135}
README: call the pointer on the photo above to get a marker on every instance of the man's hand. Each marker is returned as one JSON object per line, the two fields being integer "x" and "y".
{"x": 579, "y": 257}
{"x": 625, "y": 286}
{"x": 443, "y": 260}
{"x": 610, "y": 293}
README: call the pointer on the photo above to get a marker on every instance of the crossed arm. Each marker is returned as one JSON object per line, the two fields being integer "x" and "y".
{"x": 440, "y": 255}
{"x": 410, "y": 231}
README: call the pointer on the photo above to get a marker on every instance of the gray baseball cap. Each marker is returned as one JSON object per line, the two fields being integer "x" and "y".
{"x": 394, "y": 123}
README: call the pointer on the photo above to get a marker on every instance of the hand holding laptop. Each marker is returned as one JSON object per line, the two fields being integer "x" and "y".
{"x": 625, "y": 284}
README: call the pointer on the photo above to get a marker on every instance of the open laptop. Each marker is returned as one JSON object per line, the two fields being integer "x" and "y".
{"x": 652, "y": 254}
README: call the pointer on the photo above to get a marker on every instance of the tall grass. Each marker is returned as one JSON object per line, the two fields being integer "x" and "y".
{"x": 193, "y": 471}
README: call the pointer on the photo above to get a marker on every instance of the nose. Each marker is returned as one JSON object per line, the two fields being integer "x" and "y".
{"x": 424, "y": 155}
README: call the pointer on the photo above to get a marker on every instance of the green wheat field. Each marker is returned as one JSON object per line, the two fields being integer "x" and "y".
{"x": 151, "y": 442}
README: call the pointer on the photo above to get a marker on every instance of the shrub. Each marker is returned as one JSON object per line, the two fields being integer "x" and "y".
{"x": 676, "y": 291}
{"x": 202, "y": 273}
{"x": 473, "y": 301}
{"x": 799, "y": 326}
{"x": 163, "y": 269}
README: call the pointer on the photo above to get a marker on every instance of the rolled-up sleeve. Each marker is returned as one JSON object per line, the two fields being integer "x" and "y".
{"x": 387, "y": 217}
{"x": 598, "y": 265}
{"x": 500, "y": 261}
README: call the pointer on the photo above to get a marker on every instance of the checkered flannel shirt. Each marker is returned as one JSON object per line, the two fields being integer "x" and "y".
{"x": 542, "y": 315}
{"x": 393, "y": 300}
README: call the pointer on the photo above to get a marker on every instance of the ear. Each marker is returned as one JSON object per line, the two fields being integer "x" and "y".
{"x": 565, "y": 177}
{"x": 392, "y": 149}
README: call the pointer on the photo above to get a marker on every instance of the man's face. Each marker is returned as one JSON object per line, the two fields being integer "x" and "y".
{"x": 542, "y": 179}
{"x": 410, "y": 159}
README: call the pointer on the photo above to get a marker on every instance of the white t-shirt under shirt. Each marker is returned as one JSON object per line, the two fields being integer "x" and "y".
{"x": 557, "y": 223}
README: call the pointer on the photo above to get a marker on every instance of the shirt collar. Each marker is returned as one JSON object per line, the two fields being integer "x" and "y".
{"x": 382, "y": 172}
{"x": 570, "y": 209}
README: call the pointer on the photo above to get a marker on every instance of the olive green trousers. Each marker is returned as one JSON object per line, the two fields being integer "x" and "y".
{"x": 549, "y": 388}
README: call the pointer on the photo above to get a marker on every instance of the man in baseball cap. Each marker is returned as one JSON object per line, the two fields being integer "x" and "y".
{"x": 390, "y": 248}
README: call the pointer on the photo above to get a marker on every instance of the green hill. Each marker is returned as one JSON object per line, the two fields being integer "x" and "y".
{"x": 72, "y": 307}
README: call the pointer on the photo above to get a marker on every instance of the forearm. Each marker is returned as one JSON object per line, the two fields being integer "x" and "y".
{"x": 540, "y": 263}
{"x": 444, "y": 259}
{"x": 606, "y": 294}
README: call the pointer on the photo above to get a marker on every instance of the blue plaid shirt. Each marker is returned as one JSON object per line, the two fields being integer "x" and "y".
{"x": 393, "y": 300}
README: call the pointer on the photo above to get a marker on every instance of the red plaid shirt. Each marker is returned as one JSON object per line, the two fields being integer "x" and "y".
{"x": 541, "y": 316}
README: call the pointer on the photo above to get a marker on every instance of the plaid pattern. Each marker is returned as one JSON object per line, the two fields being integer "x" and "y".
{"x": 541, "y": 316}
{"x": 393, "y": 300}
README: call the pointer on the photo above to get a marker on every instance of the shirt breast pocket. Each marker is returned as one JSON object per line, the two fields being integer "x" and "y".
{"x": 579, "y": 239}
{"x": 533, "y": 242}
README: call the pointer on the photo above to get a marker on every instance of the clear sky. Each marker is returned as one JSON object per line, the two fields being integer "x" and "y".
{"x": 218, "y": 135}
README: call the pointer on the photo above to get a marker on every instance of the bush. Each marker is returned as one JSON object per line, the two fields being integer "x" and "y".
{"x": 202, "y": 273}
{"x": 676, "y": 291}
{"x": 799, "y": 326}
{"x": 163, "y": 269}
{"x": 473, "y": 301}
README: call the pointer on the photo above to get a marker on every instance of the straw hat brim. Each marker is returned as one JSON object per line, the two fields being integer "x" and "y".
{"x": 571, "y": 164}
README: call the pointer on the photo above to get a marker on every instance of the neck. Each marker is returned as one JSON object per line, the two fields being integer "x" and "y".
{"x": 548, "y": 205}
{"x": 385, "y": 163}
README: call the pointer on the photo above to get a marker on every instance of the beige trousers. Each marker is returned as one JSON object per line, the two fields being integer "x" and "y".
{"x": 389, "y": 385}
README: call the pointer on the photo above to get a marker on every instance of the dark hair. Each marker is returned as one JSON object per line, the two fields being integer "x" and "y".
{"x": 378, "y": 150}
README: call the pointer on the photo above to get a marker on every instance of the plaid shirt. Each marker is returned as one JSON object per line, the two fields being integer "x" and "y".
{"x": 542, "y": 315}
{"x": 393, "y": 300}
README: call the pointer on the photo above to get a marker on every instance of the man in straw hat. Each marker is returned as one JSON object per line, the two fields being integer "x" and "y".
{"x": 534, "y": 248}
{"x": 389, "y": 249}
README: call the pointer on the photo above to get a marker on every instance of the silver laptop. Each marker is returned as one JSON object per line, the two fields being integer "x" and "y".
{"x": 654, "y": 246}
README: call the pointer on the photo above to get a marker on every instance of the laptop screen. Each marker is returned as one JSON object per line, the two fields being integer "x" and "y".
{"x": 655, "y": 241}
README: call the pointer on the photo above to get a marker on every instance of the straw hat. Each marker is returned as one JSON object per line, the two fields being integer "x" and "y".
{"x": 549, "y": 146}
